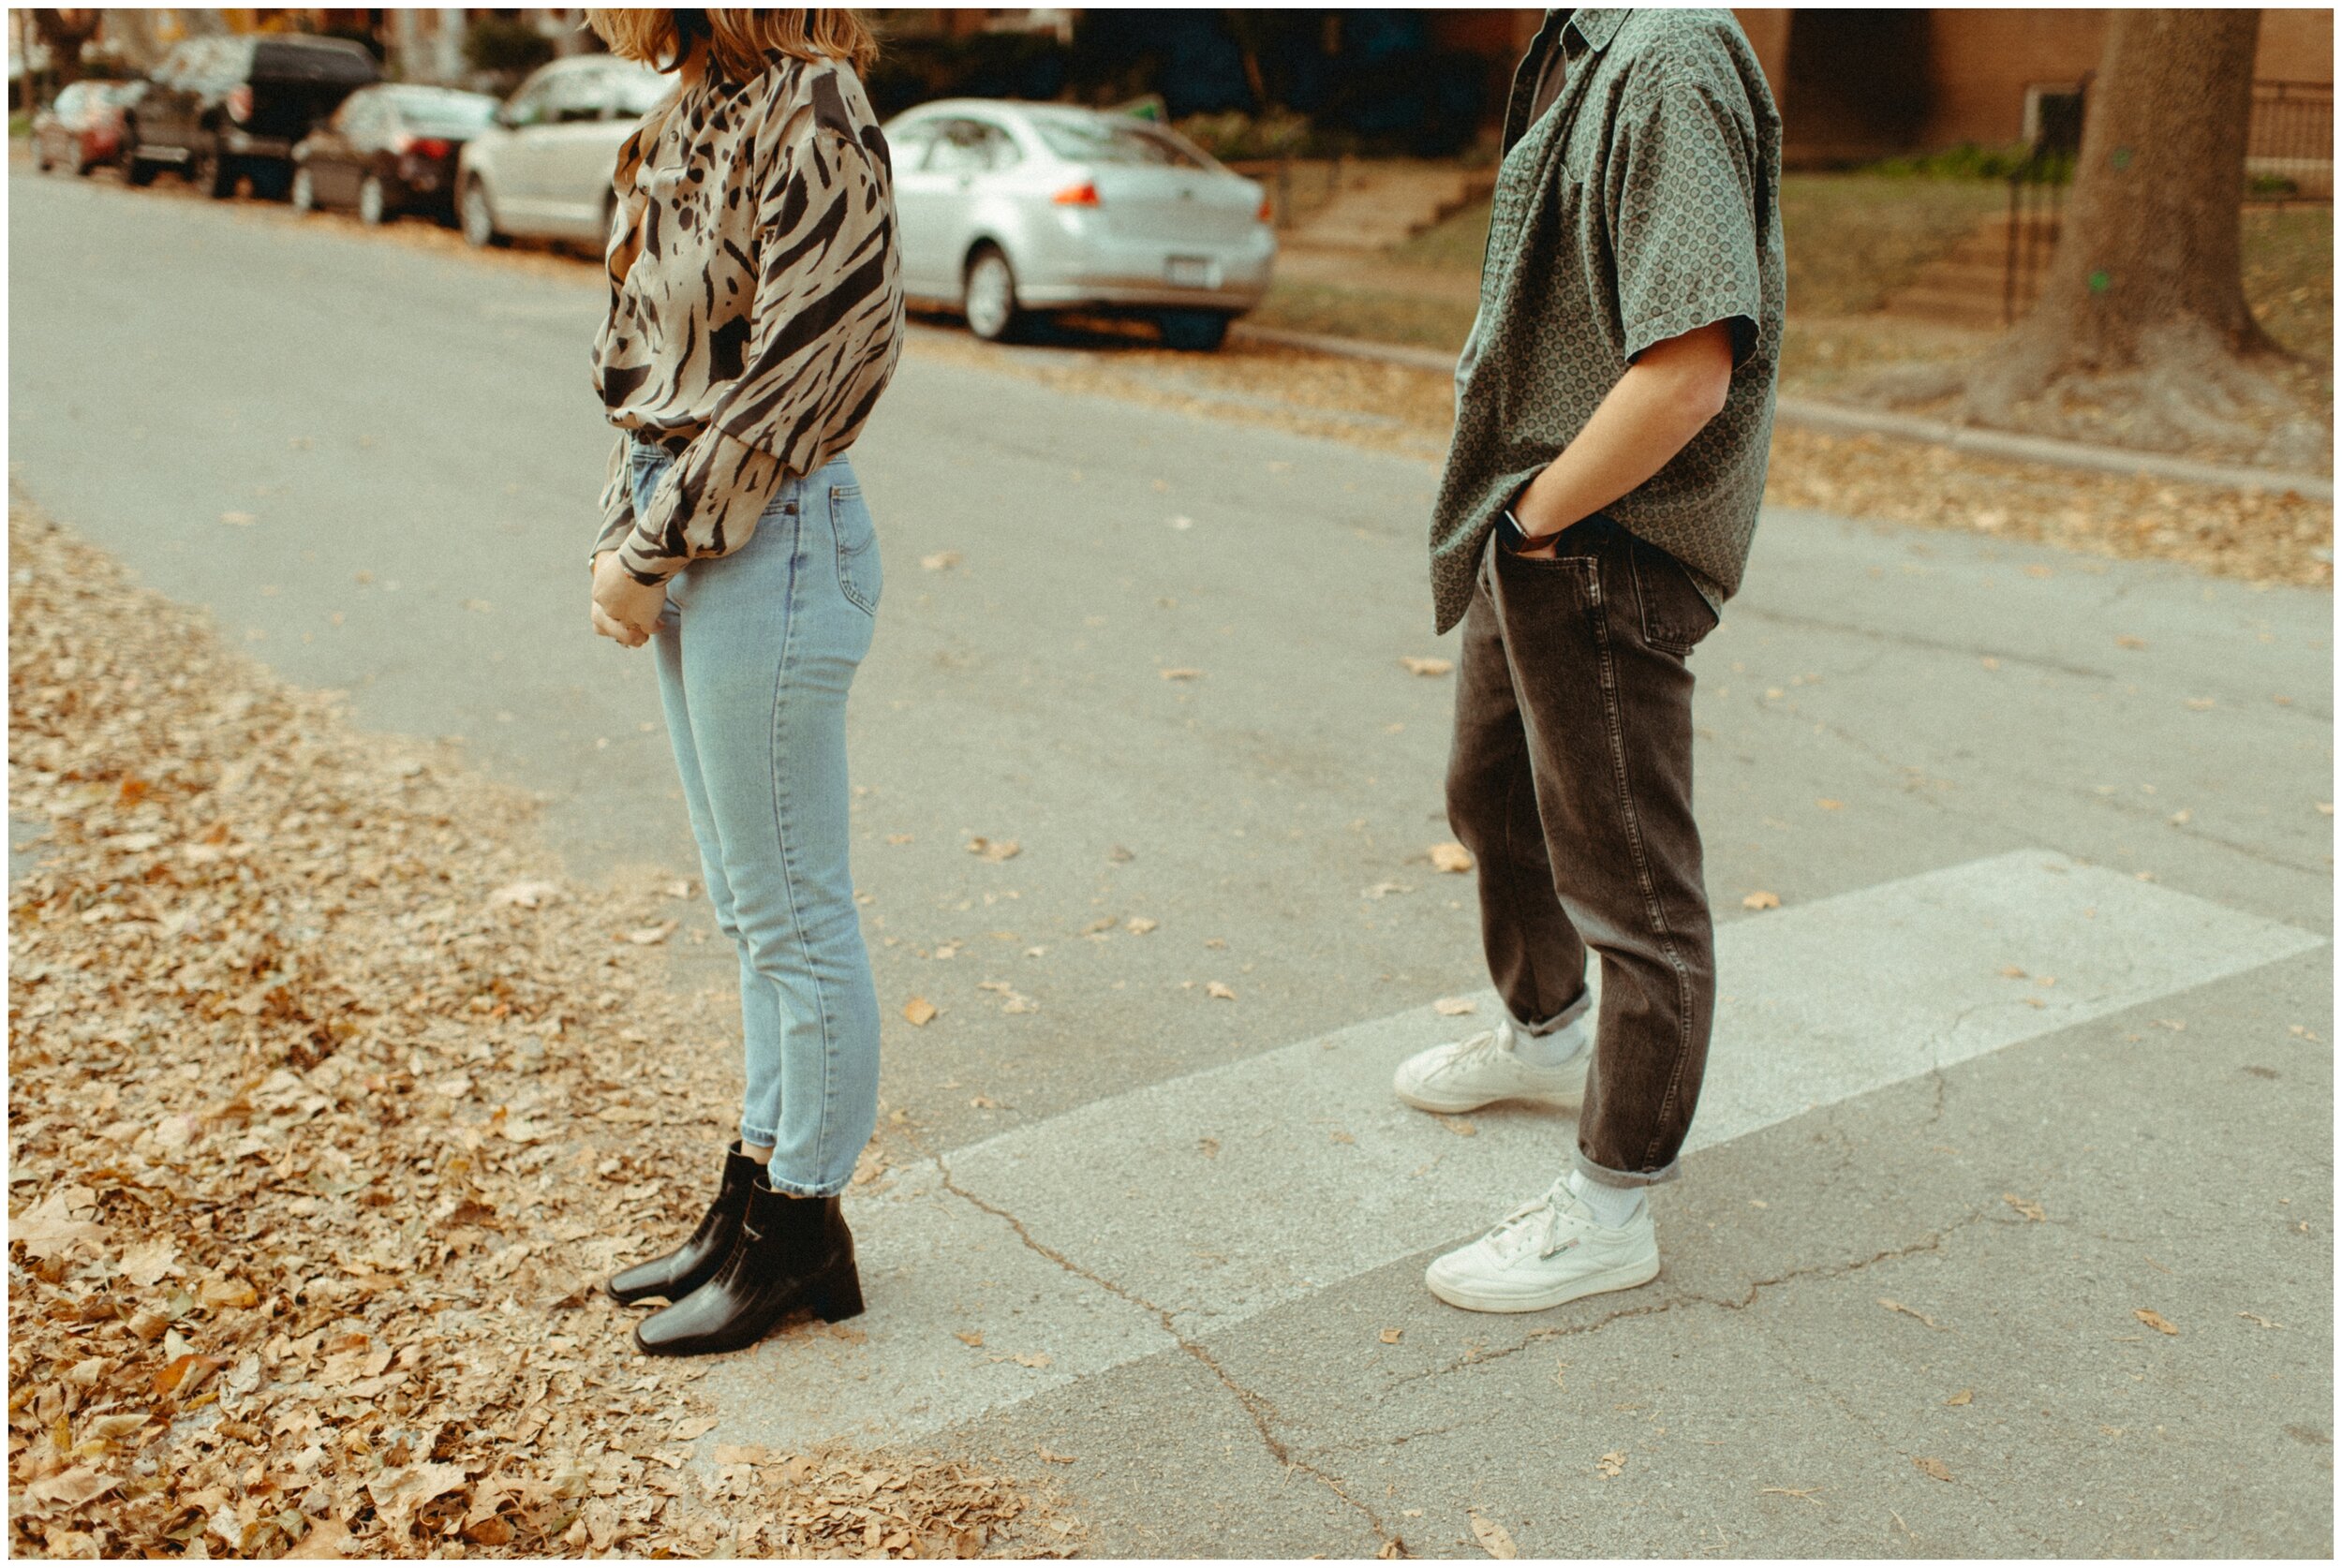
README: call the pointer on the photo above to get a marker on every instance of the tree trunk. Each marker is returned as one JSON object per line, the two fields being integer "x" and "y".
{"x": 2142, "y": 336}
{"x": 2151, "y": 234}
{"x": 65, "y": 32}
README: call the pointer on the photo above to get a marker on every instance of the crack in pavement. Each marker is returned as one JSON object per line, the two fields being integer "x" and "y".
{"x": 1261, "y": 1413}
{"x": 1905, "y": 639}
{"x": 1933, "y": 1243}
{"x": 2271, "y": 858}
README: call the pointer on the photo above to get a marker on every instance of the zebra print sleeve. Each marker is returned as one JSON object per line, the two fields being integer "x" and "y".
{"x": 823, "y": 336}
{"x": 617, "y": 499}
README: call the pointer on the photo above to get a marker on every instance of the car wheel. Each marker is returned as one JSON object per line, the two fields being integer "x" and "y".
{"x": 137, "y": 171}
{"x": 40, "y": 156}
{"x": 83, "y": 162}
{"x": 478, "y": 216}
{"x": 305, "y": 191}
{"x": 271, "y": 182}
{"x": 989, "y": 300}
{"x": 209, "y": 173}
{"x": 1194, "y": 332}
{"x": 373, "y": 202}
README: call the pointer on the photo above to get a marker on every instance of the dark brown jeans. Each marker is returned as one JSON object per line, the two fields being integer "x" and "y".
{"x": 1570, "y": 782}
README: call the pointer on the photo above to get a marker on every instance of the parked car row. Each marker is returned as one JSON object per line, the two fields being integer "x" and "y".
{"x": 1009, "y": 212}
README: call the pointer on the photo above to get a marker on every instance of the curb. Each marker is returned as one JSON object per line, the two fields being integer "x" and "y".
{"x": 1836, "y": 418}
{"x": 1807, "y": 413}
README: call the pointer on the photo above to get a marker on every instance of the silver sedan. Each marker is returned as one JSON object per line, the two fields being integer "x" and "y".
{"x": 1013, "y": 209}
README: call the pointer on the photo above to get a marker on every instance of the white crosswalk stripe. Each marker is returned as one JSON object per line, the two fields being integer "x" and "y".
{"x": 1183, "y": 1208}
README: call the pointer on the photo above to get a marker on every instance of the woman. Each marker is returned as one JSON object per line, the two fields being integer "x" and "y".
{"x": 755, "y": 316}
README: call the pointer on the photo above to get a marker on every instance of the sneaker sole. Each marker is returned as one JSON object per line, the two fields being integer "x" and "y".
{"x": 1567, "y": 1100}
{"x": 1624, "y": 1278}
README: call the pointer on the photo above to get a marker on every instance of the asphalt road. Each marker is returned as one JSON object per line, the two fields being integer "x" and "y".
{"x": 1942, "y": 754}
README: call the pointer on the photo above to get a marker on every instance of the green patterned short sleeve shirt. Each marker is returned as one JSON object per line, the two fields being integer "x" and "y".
{"x": 1643, "y": 204}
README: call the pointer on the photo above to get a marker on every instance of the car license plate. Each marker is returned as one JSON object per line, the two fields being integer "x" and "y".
{"x": 1191, "y": 271}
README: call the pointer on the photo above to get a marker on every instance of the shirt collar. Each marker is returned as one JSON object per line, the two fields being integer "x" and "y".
{"x": 1597, "y": 26}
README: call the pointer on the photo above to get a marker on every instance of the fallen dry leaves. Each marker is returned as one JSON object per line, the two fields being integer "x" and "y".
{"x": 1494, "y": 1538}
{"x": 2261, "y": 536}
{"x": 1893, "y": 1306}
{"x": 326, "y": 1114}
{"x": 1451, "y": 857}
{"x": 2156, "y": 1321}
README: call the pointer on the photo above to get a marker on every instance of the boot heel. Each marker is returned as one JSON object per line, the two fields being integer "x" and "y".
{"x": 839, "y": 1294}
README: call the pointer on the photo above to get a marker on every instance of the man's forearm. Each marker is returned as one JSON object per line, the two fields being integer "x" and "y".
{"x": 1664, "y": 400}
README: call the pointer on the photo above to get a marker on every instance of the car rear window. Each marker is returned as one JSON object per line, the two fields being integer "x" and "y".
{"x": 312, "y": 60}
{"x": 1104, "y": 140}
{"x": 435, "y": 111}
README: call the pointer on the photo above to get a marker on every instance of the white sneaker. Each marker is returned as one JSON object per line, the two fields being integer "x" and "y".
{"x": 1544, "y": 1254}
{"x": 1464, "y": 1075}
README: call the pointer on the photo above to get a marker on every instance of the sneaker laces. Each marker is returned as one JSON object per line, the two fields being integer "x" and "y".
{"x": 1483, "y": 1047}
{"x": 1535, "y": 1226}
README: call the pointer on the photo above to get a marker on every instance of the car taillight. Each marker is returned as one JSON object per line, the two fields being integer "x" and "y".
{"x": 1083, "y": 195}
{"x": 429, "y": 147}
{"x": 240, "y": 102}
{"x": 1267, "y": 213}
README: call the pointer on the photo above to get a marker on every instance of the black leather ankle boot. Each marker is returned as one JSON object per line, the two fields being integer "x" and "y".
{"x": 792, "y": 1252}
{"x": 694, "y": 1264}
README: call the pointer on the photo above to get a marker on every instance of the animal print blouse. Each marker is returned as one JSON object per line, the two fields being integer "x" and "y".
{"x": 756, "y": 305}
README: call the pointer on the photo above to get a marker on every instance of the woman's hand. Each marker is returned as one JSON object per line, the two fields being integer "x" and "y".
{"x": 625, "y": 611}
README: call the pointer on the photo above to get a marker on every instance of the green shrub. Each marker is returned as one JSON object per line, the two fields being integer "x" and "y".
{"x": 1234, "y": 134}
{"x": 1970, "y": 161}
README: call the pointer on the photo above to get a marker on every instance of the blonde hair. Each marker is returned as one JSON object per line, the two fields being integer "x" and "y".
{"x": 741, "y": 39}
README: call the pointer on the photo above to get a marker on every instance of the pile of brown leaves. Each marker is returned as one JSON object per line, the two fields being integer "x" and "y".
{"x": 2264, "y": 537}
{"x": 2259, "y": 536}
{"x": 329, "y": 1108}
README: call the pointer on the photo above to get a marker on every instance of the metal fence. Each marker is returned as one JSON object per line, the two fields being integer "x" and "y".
{"x": 2288, "y": 158}
{"x": 2289, "y": 153}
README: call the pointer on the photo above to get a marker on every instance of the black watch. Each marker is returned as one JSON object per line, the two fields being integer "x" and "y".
{"x": 1511, "y": 536}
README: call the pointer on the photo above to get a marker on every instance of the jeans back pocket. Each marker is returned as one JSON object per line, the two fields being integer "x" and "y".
{"x": 859, "y": 575}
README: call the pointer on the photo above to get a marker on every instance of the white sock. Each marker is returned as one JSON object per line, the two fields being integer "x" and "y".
{"x": 1613, "y": 1206}
{"x": 1551, "y": 1050}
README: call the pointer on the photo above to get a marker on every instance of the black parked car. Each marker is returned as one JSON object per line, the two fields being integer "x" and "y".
{"x": 222, "y": 107}
{"x": 390, "y": 149}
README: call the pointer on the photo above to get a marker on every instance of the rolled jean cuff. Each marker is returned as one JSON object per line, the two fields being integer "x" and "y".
{"x": 1609, "y": 1177}
{"x": 758, "y": 1137}
{"x": 798, "y": 1189}
{"x": 1559, "y": 1022}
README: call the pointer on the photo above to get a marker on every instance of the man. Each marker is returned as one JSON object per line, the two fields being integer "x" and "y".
{"x": 1613, "y": 411}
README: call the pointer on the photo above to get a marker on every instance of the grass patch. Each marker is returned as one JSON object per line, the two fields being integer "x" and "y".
{"x": 1378, "y": 316}
{"x": 2288, "y": 277}
{"x": 1458, "y": 241}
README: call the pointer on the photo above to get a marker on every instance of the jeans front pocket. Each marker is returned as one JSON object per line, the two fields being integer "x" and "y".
{"x": 859, "y": 575}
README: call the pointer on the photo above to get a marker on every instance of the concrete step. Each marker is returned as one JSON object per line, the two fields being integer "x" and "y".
{"x": 1379, "y": 205}
{"x": 1967, "y": 284}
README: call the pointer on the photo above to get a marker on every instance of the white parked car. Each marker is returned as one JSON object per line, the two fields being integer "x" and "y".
{"x": 543, "y": 168}
{"x": 1012, "y": 208}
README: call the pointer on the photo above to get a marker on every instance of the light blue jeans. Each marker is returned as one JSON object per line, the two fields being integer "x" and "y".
{"x": 756, "y": 652}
